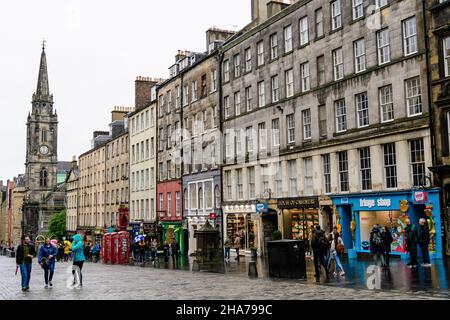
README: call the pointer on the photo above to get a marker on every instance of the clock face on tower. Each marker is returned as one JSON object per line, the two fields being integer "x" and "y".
{"x": 43, "y": 150}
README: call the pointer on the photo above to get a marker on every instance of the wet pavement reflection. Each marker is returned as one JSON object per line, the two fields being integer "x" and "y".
{"x": 399, "y": 277}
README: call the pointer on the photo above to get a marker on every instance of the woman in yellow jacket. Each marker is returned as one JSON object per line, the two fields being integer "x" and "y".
{"x": 67, "y": 248}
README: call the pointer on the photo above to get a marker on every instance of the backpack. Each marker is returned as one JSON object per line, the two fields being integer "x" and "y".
{"x": 322, "y": 243}
{"x": 376, "y": 238}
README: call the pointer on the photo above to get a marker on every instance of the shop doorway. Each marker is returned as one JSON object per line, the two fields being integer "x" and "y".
{"x": 269, "y": 226}
{"x": 328, "y": 222}
{"x": 243, "y": 226}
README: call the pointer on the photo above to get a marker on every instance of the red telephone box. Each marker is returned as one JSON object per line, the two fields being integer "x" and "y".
{"x": 114, "y": 247}
{"x": 106, "y": 248}
{"x": 124, "y": 247}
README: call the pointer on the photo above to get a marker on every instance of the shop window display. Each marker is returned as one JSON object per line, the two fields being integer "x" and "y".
{"x": 303, "y": 222}
{"x": 390, "y": 219}
{"x": 244, "y": 227}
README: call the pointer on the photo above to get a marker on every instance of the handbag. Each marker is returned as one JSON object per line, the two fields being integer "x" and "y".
{"x": 340, "y": 248}
{"x": 45, "y": 263}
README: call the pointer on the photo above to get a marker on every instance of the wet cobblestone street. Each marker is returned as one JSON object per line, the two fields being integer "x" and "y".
{"x": 106, "y": 282}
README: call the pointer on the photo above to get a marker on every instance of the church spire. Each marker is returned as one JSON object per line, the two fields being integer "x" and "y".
{"x": 42, "y": 91}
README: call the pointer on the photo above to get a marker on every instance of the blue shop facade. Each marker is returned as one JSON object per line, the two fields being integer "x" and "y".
{"x": 358, "y": 213}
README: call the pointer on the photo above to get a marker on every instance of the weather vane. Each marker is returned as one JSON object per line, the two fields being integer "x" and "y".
{"x": 43, "y": 44}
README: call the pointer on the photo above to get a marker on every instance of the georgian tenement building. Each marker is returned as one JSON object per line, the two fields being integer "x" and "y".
{"x": 438, "y": 17}
{"x": 91, "y": 184}
{"x": 142, "y": 128}
{"x": 326, "y": 121}
{"x": 171, "y": 98}
{"x": 202, "y": 140}
{"x": 117, "y": 168}
{"x": 103, "y": 180}
{"x": 72, "y": 197}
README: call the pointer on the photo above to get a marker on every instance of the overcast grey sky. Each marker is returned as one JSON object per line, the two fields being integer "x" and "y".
{"x": 95, "y": 50}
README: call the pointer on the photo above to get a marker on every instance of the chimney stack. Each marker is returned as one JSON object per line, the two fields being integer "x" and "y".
{"x": 215, "y": 36}
{"x": 119, "y": 113}
{"x": 143, "y": 86}
{"x": 264, "y": 9}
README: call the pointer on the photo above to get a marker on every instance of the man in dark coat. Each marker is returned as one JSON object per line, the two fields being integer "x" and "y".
{"x": 175, "y": 253}
{"x": 411, "y": 243}
{"x": 24, "y": 257}
{"x": 424, "y": 242}
{"x": 319, "y": 245}
{"x": 387, "y": 242}
{"x": 376, "y": 245}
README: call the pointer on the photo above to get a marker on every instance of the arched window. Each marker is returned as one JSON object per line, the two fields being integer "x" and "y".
{"x": 43, "y": 178}
{"x": 217, "y": 196}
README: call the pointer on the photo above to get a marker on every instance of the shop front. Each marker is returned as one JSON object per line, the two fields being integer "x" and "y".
{"x": 242, "y": 220}
{"x": 98, "y": 235}
{"x": 173, "y": 231}
{"x": 359, "y": 213}
{"x": 300, "y": 215}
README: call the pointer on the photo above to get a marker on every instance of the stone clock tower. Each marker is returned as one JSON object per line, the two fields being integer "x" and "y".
{"x": 42, "y": 124}
{"x": 41, "y": 157}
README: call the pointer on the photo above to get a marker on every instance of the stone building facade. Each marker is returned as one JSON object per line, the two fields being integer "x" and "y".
{"x": 16, "y": 212}
{"x": 169, "y": 122}
{"x": 438, "y": 17}
{"x": 72, "y": 196}
{"x": 91, "y": 194}
{"x": 117, "y": 176}
{"x": 103, "y": 182}
{"x": 322, "y": 100}
{"x": 201, "y": 146}
{"x": 142, "y": 156}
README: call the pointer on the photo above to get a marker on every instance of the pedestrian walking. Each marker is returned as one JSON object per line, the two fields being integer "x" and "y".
{"x": 78, "y": 260}
{"x": 411, "y": 236}
{"x": 175, "y": 248}
{"x": 387, "y": 240}
{"x": 142, "y": 249}
{"x": 154, "y": 250}
{"x": 24, "y": 257}
{"x": 166, "y": 249}
{"x": 336, "y": 244}
{"x": 96, "y": 252}
{"x": 227, "y": 247}
{"x": 87, "y": 251}
{"x": 237, "y": 245}
{"x": 424, "y": 242}
{"x": 46, "y": 258}
{"x": 67, "y": 248}
{"x": 319, "y": 245}
{"x": 376, "y": 245}
{"x": 60, "y": 252}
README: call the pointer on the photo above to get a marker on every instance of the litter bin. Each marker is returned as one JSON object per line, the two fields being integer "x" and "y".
{"x": 287, "y": 259}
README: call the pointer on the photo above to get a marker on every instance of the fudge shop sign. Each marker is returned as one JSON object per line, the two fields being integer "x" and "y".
{"x": 371, "y": 203}
{"x": 293, "y": 203}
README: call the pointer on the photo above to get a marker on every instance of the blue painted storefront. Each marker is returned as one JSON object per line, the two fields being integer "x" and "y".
{"x": 354, "y": 207}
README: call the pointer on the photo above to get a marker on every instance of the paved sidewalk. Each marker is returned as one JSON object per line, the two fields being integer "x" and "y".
{"x": 106, "y": 282}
